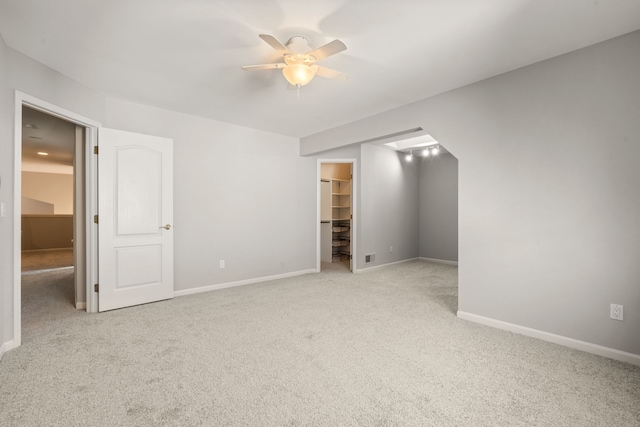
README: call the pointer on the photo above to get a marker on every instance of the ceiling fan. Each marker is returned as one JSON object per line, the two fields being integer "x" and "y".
{"x": 299, "y": 65}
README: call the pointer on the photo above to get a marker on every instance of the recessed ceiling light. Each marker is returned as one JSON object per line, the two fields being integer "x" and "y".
{"x": 42, "y": 153}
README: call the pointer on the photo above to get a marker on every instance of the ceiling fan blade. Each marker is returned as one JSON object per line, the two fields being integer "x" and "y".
{"x": 328, "y": 49}
{"x": 274, "y": 43}
{"x": 263, "y": 66}
{"x": 328, "y": 73}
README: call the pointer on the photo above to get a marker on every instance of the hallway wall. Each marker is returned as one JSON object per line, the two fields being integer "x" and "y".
{"x": 438, "y": 188}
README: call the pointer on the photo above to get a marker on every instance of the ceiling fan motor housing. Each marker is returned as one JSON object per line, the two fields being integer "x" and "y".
{"x": 298, "y": 44}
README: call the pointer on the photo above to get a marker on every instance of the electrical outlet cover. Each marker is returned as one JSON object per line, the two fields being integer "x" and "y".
{"x": 617, "y": 312}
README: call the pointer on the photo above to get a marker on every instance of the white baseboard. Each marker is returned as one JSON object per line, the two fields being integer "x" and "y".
{"x": 375, "y": 267}
{"x": 240, "y": 283}
{"x": 611, "y": 353}
{"x": 6, "y": 347}
{"x": 439, "y": 261}
{"x": 81, "y": 306}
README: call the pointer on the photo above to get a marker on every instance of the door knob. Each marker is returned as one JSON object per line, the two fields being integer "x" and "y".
{"x": 166, "y": 227}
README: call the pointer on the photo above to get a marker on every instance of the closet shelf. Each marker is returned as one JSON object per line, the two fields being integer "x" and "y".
{"x": 340, "y": 242}
{"x": 340, "y": 257}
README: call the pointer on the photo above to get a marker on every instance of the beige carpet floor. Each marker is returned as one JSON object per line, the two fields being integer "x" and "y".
{"x": 380, "y": 348}
{"x": 47, "y": 259}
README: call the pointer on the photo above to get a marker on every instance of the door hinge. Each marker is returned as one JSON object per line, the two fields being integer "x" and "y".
{"x": 96, "y": 288}
{"x": 95, "y": 150}
{"x": 95, "y": 219}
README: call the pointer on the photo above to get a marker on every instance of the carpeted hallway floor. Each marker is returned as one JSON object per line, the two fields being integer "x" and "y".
{"x": 380, "y": 348}
{"x": 47, "y": 259}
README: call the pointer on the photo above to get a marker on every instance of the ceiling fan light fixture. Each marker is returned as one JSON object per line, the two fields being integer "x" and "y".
{"x": 299, "y": 74}
{"x": 299, "y": 66}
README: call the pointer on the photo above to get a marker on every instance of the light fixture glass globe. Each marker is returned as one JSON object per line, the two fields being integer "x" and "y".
{"x": 425, "y": 152}
{"x": 299, "y": 74}
{"x": 436, "y": 151}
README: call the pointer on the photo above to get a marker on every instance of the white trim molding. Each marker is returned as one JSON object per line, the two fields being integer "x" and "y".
{"x": 611, "y": 353}
{"x": 439, "y": 261}
{"x": 375, "y": 267}
{"x": 201, "y": 289}
{"x": 6, "y": 347}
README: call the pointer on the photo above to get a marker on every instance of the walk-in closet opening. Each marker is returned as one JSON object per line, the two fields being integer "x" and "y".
{"x": 336, "y": 216}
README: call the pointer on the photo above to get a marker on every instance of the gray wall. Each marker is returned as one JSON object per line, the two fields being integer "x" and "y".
{"x": 240, "y": 195}
{"x": 389, "y": 208}
{"x": 548, "y": 189}
{"x": 438, "y": 227}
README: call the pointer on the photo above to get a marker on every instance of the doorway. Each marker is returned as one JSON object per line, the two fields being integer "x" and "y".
{"x": 48, "y": 202}
{"x": 336, "y": 212}
{"x": 69, "y": 227}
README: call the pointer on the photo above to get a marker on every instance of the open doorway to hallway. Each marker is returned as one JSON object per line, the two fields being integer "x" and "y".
{"x": 48, "y": 222}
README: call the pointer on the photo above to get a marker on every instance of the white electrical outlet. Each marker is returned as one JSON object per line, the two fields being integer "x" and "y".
{"x": 617, "y": 312}
{"x": 221, "y": 263}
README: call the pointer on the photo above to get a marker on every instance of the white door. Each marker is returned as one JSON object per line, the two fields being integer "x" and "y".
{"x": 135, "y": 208}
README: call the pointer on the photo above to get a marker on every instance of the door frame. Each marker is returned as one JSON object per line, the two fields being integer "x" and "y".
{"x": 91, "y": 201}
{"x": 354, "y": 210}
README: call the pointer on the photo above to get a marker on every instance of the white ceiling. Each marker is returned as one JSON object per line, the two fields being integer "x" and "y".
{"x": 186, "y": 55}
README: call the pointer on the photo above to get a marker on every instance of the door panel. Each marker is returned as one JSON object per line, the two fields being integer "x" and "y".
{"x": 135, "y": 202}
{"x": 138, "y": 266}
{"x": 138, "y": 192}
